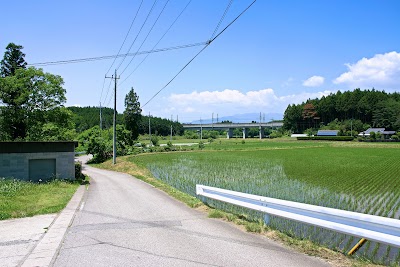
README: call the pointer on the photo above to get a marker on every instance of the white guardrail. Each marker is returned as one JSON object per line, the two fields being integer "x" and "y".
{"x": 374, "y": 228}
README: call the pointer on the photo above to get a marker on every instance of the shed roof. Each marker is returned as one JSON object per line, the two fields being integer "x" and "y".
{"x": 328, "y": 132}
{"x": 376, "y": 130}
{"x": 37, "y": 147}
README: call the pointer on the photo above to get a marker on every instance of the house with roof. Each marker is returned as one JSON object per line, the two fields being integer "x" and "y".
{"x": 382, "y": 131}
{"x": 327, "y": 132}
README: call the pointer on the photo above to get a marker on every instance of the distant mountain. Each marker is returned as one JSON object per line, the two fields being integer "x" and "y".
{"x": 242, "y": 118}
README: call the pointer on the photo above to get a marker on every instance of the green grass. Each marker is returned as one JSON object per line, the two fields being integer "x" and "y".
{"x": 23, "y": 199}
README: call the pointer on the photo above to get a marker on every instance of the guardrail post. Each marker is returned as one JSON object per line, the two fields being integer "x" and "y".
{"x": 357, "y": 246}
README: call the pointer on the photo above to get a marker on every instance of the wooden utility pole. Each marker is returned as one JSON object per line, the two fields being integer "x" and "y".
{"x": 115, "y": 117}
{"x": 101, "y": 119}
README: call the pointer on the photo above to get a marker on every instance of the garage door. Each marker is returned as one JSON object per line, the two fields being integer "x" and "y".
{"x": 41, "y": 169}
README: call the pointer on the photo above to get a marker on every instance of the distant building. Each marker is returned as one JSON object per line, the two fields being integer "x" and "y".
{"x": 298, "y": 135}
{"x": 327, "y": 132}
{"x": 382, "y": 131}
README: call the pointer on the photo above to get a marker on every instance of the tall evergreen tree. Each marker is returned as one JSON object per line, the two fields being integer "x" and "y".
{"x": 13, "y": 60}
{"x": 132, "y": 114}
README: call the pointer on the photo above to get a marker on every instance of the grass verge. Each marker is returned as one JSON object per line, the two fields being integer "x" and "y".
{"x": 24, "y": 199}
{"x": 305, "y": 246}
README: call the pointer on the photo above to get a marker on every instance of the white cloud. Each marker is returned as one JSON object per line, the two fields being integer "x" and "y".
{"x": 382, "y": 70}
{"x": 314, "y": 81}
{"x": 234, "y": 101}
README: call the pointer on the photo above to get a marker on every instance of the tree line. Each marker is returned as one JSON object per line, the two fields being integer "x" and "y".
{"x": 88, "y": 117}
{"x": 364, "y": 108}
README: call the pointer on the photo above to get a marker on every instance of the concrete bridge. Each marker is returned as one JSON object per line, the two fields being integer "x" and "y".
{"x": 230, "y": 126}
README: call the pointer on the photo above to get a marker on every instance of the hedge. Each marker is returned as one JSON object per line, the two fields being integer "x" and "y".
{"x": 327, "y": 138}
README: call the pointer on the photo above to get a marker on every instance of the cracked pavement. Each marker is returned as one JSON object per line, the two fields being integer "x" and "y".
{"x": 18, "y": 237}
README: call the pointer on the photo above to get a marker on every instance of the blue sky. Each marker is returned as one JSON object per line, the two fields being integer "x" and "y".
{"x": 277, "y": 53}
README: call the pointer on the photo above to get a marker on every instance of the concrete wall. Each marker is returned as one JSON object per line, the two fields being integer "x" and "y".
{"x": 17, "y": 164}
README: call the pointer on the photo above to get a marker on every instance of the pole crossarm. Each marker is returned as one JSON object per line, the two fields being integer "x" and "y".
{"x": 374, "y": 228}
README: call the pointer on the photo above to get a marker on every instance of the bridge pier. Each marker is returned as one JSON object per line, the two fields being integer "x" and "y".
{"x": 245, "y": 132}
{"x": 261, "y": 132}
{"x": 229, "y": 133}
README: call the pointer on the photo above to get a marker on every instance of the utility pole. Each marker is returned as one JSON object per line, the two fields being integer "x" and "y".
{"x": 171, "y": 133}
{"x": 149, "y": 131}
{"x": 115, "y": 117}
{"x": 201, "y": 130}
{"x": 101, "y": 120}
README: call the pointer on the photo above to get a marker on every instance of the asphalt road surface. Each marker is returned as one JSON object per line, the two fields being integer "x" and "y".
{"x": 126, "y": 222}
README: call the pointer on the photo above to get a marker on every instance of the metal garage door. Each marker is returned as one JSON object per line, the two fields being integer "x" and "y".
{"x": 41, "y": 169}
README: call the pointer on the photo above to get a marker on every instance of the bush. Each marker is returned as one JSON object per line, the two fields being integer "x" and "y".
{"x": 201, "y": 145}
{"x": 327, "y": 138}
{"x": 154, "y": 140}
{"x": 78, "y": 170}
{"x": 395, "y": 137}
{"x": 100, "y": 149}
{"x": 275, "y": 134}
{"x": 372, "y": 136}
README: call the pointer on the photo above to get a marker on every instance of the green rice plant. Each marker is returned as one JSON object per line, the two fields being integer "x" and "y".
{"x": 355, "y": 178}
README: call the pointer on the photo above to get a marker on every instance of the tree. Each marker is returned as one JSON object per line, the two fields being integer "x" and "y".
{"x": 387, "y": 114}
{"x": 132, "y": 114}
{"x": 31, "y": 99}
{"x": 291, "y": 118}
{"x": 13, "y": 60}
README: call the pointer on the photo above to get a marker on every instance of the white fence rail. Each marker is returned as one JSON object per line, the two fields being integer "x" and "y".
{"x": 374, "y": 228}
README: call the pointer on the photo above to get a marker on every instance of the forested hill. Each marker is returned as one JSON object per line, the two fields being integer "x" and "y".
{"x": 376, "y": 108}
{"x": 88, "y": 117}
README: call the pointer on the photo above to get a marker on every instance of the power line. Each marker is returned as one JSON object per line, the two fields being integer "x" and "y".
{"x": 148, "y": 15}
{"x": 222, "y": 18}
{"x": 102, "y": 88}
{"x": 165, "y": 33}
{"x": 159, "y": 15}
{"x": 126, "y": 36}
{"x": 184, "y": 67}
{"x": 82, "y": 60}
{"x": 208, "y": 43}
{"x": 115, "y": 58}
{"x": 108, "y": 90}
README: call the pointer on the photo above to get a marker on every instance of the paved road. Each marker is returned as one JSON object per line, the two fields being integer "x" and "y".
{"x": 18, "y": 237}
{"x": 126, "y": 222}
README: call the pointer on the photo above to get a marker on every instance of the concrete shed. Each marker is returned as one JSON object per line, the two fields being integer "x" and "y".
{"x": 37, "y": 160}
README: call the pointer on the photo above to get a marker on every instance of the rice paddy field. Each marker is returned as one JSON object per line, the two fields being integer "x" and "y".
{"x": 360, "y": 177}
